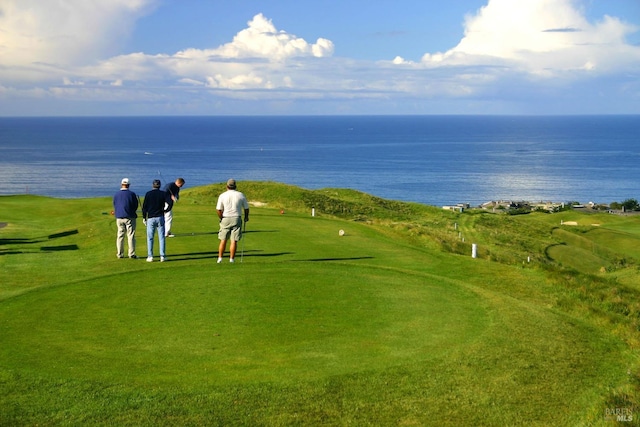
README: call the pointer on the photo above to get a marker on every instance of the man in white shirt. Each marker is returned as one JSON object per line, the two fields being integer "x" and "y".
{"x": 230, "y": 207}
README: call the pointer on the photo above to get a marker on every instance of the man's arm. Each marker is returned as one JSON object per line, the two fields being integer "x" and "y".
{"x": 246, "y": 215}
{"x": 219, "y": 213}
{"x": 145, "y": 207}
{"x": 169, "y": 192}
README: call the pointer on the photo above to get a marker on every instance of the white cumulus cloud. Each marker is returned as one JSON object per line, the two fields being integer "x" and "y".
{"x": 254, "y": 59}
{"x": 511, "y": 52}
{"x": 540, "y": 36}
{"x": 64, "y": 32}
{"x": 261, "y": 39}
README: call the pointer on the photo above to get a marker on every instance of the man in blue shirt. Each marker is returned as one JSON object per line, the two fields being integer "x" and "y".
{"x": 125, "y": 204}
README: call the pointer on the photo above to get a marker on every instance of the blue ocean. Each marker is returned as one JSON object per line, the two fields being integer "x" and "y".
{"x": 435, "y": 160}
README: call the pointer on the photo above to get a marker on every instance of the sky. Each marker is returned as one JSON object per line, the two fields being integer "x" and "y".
{"x": 293, "y": 57}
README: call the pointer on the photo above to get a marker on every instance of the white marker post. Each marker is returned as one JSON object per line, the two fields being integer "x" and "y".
{"x": 474, "y": 250}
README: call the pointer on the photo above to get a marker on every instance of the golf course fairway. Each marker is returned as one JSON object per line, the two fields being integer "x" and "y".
{"x": 378, "y": 325}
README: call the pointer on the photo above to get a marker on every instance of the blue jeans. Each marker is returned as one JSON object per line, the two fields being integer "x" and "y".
{"x": 154, "y": 224}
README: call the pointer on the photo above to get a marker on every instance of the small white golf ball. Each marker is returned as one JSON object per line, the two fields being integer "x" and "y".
{"x": 341, "y": 233}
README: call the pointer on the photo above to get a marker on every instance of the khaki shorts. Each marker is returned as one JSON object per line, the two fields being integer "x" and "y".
{"x": 230, "y": 227}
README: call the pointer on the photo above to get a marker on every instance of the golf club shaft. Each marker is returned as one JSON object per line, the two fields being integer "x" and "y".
{"x": 165, "y": 183}
{"x": 244, "y": 229}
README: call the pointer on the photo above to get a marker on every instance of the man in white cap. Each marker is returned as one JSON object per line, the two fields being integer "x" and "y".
{"x": 125, "y": 204}
{"x": 230, "y": 207}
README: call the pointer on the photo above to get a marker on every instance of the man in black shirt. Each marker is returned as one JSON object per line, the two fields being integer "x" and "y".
{"x": 153, "y": 217}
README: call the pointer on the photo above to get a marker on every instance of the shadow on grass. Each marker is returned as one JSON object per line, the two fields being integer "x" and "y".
{"x": 334, "y": 259}
{"x": 7, "y": 252}
{"x": 214, "y": 255}
{"x": 62, "y": 234}
{"x": 59, "y": 248}
{"x": 42, "y": 249}
{"x": 36, "y": 240}
{"x": 16, "y": 241}
{"x": 251, "y": 254}
{"x": 192, "y": 256}
{"x": 215, "y": 233}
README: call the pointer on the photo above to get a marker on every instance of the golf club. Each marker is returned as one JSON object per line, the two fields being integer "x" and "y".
{"x": 165, "y": 182}
{"x": 244, "y": 229}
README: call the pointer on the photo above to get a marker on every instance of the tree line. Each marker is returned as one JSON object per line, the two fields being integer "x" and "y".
{"x": 627, "y": 205}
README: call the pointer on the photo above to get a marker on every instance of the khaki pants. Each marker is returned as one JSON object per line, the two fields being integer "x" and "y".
{"x": 126, "y": 227}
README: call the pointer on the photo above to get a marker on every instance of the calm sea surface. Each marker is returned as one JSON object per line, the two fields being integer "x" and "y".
{"x": 435, "y": 160}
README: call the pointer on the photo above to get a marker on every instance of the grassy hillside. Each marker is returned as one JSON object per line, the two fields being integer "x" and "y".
{"x": 393, "y": 323}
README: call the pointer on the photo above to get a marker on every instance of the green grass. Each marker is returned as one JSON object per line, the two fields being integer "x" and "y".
{"x": 391, "y": 324}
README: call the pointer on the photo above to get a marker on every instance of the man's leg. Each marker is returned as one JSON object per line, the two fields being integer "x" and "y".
{"x": 223, "y": 235}
{"x": 168, "y": 219}
{"x": 221, "y": 248}
{"x": 131, "y": 237}
{"x": 151, "y": 229}
{"x": 232, "y": 249}
{"x": 161, "y": 238}
{"x": 120, "y": 237}
{"x": 236, "y": 234}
